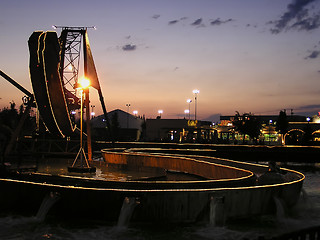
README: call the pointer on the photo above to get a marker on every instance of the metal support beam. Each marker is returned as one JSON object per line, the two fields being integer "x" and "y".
{"x": 17, "y": 85}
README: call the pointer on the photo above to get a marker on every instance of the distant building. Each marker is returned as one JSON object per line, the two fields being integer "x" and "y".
{"x": 298, "y": 129}
{"x": 124, "y": 126}
{"x": 179, "y": 130}
{"x": 264, "y": 119}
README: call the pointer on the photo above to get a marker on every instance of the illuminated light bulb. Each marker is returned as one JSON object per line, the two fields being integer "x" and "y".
{"x": 84, "y": 83}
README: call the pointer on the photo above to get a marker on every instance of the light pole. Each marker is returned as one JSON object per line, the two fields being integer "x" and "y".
{"x": 135, "y": 112}
{"x": 92, "y": 112}
{"x": 128, "y": 106}
{"x": 270, "y": 122}
{"x": 189, "y": 101}
{"x": 160, "y": 112}
{"x": 186, "y": 112}
{"x": 83, "y": 85}
{"x": 195, "y": 92}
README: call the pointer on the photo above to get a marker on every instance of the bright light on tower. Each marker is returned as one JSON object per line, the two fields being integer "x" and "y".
{"x": 70, "y": 68}
{"x": 83, "y": 83}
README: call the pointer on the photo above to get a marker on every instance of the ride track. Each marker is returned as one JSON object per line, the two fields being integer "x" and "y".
{"x": 47, "y": 83}
{"x": 50, "y": 59}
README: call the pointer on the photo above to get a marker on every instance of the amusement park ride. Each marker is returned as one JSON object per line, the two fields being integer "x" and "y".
{"x": 54, "y": 72}
{"x": 178, "y": 187}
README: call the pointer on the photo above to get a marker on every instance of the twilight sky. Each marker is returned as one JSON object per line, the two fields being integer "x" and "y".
{"x": 247, "y": 56}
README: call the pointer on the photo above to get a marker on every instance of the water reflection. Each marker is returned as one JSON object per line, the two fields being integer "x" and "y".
{"x": 57, "y": 166}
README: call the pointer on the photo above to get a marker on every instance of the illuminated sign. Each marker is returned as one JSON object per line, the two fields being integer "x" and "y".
{"x": 192, "y": 123}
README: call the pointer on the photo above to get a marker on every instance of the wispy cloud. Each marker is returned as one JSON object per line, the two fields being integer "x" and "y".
{"x": 219, "y": 22}
{"x": 312, "y": 106}
{"x": 173, "y": 22}
{"x": 297, "y": 17}
{"x": 197, "y": 22}
{"x": 129, "y": 47}
{"x": 313, "y": 54}
{"x": 155, "y": 16}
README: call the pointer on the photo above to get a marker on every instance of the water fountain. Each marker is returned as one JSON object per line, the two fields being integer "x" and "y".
{"x": 178, "y": 188}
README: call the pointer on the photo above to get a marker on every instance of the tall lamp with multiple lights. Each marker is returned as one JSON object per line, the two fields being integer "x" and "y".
{"x": 195, "y": 92}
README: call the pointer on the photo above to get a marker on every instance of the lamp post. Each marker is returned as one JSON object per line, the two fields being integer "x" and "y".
{"x": 135, "y": 113}
{"x": 83, "y": 86}
{"x": 186, "y": 112}
{"x": 270, "y": 122}
{"x": 195, "y": 92}
{"x": 189, "y": 101}
{"x": 128, "y": 106}
{"x": 92, "y": 112}
{"x": 160, "y": 112}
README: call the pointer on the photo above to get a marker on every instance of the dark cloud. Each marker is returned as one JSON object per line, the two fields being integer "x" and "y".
{"x": 219, "y": 22}
{"x": 173, "y": 22}
{"x": 307, "y": 107}
{"x": 308, "y": 24}
{"x": 298, "y": 17}
{"x": 156, "y": 16}
{"x": 197, "y": 22}
{"x": 313, "y": 54}
{"x": 129, "y": 47}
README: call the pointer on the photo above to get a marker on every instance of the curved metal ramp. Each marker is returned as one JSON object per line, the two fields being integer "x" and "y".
{"x": 46, "y": 82}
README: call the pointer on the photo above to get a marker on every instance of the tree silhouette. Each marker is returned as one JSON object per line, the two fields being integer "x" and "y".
{"x": 247, "y": 124}
{"x": 282, "y": 124}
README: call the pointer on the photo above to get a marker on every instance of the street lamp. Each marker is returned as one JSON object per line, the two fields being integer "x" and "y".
{"x": 92, "y": 112}
{"x": 160, "y": 112}
{"x": 82, "y": 85}
{"x": 189, "y": 101}
{"x": 135, "y": 112}
{"x": 128, "y": 106}
{"x": 270, "y": 122}
{"x": 195, "y": 92}
{"x": 186, "y": 112}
